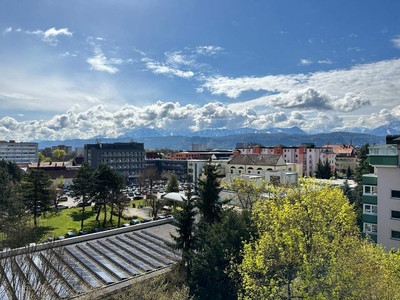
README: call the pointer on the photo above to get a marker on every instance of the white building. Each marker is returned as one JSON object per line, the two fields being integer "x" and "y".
{"x": 271, "y": 167}
{"x": 381, "y": 194}
{"x": 18, "y": 152}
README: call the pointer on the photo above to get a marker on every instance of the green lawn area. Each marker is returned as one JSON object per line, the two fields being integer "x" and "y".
{"x": 57, "y": 223}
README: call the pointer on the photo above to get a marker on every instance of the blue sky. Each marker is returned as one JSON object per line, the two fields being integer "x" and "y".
{"x": 78, "y": 69}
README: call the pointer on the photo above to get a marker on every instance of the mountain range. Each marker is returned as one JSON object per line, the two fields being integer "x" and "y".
{"x": 227, "y": 139}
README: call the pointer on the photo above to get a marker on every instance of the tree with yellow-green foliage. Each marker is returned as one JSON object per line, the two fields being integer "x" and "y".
{"x": 247, "y": 192}
{"x": 58, "y": 155}
{"x": 309, "y": 247}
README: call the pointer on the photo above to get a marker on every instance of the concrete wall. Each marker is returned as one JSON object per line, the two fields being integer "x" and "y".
{"x": 388, "y": 179}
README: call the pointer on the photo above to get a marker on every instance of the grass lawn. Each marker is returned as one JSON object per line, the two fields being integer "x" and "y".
{"x": 57, "y": 223}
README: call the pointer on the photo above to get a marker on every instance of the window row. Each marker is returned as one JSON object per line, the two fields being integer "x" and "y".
{"x": 372, "y": 209}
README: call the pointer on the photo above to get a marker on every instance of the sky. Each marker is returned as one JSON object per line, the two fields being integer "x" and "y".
{"x": 80, "y": 69}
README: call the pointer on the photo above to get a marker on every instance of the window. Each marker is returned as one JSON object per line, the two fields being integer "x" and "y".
{"x": 370, "y": 209}
{"x": 370, "y": 228}
{"x": 395, "y": 214}
{"x": 395, "y": 235}
{"x": 395, "y": 194}
{"x": 370, "y": 190}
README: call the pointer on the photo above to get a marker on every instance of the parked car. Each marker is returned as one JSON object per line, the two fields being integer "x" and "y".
{"x": 134, "y": 222}
{"x": 80, "y": 204}
{"x": 60, "y": 206}
{"x": 160, "y": 217}
{"x": 145, "y": 220}
{"x": 63, "y": 198}
{"x": 70, "y": 234}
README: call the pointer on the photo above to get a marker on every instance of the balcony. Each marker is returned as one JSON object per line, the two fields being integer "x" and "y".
{"x": 370, "y": 179}
{"x": 383, "y": 155}
{"x": 370, "y": 218}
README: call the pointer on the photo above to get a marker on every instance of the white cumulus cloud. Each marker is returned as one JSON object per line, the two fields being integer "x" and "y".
{"x": 51, "y": 34}
{"x": 396, "y": 41}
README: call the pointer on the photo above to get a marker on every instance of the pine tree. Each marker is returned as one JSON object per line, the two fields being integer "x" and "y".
{"x": 209, "y": 188}
{"x": 36, "y": 186}
{"x": 184, "y": 241}
{"x": 173, "y": 185}
{"x": 83, "y": 186}
{"x": 319, "y": 170}
{"x": 327, "y": 172}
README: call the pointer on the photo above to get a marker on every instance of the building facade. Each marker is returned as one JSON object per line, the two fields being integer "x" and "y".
{"x": 306, "y": 154}
{"x": 19, "y": 152}
{"x": 381, "y": 194}
{"x": 271, "y": 167}
{"x": 126, "y": 158}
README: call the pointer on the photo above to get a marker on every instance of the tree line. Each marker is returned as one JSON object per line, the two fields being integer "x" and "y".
{"x": 297, "y": 241}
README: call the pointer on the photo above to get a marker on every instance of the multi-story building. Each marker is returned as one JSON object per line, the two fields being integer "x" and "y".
{"x": 19, "y": 152}
{"x": 306, "y": 154}
{"x": 271, "y": 167}
{"x": 344, "y": 157}
{"x": 126, "y": 158}
{"x": 381, "y": 194}
{"x": 213, "y": 154}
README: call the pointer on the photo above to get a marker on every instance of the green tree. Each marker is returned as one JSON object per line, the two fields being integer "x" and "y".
{"x": 247, "y": 192}
{"x": 108, "y": 183}
{"x": 43, "y": 158}
{"x": 184, "y": 240}
{"x": 173, "y": 185}
{"x": 36, "y": 185}
{"x": 219, "y": 247}
{"x": 83, "y": 187}
{"x": 58, "y": 155}
{"x": 362, "y": 168}
{"x": 348, "y": 172}
{"x": 117, "y": 199}
{"x": 209, "y": 188}
{"x": 102, "y": 176}
{"x": 59, "y": 182}
{"x": 121, "y": 203}
{"x": 319, "y": 170}
{"x": 327, "y": 171}
{"x": 12, "y": 169}
{"x": 299, "y": 233}
{"x": 13, "y": 219}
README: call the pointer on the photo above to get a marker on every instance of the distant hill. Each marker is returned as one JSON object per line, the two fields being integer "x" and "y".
{"x": 229, "y": 141}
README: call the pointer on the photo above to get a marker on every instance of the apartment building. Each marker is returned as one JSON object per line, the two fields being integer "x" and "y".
{"x": 344, "y": 157}
{"x": 18, "y": 152}
{"x": 381, "y": 194}
{"x": 126, "y": 158}
{"x": 306, "y": 154}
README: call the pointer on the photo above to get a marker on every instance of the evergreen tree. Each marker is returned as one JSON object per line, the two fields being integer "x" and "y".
{"x": 37, "y": 193}
{"x": 173, "y": 185}
{"x": 184, "y": 241}
{"x": 209, "y": 188}
{"x": 219, "y": 247}
{"x": 327, "y": 172}
{"x": 107, "y": 184}
{"x": 348, "y": 172}
{"x": 83, "y": 186}
{"x": 319, "y": 170}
